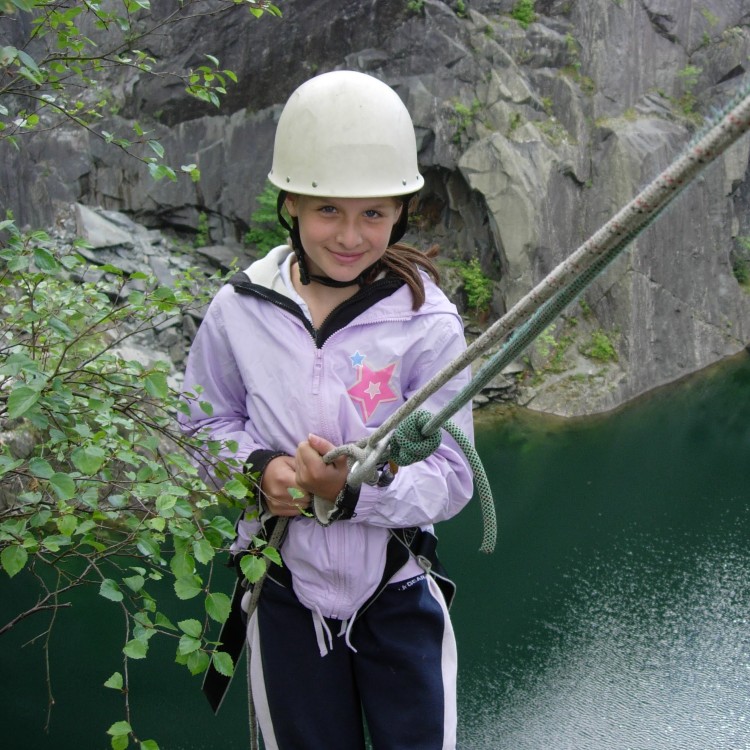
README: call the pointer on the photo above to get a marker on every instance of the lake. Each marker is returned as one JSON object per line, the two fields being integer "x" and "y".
{"x": 612, "y": 616}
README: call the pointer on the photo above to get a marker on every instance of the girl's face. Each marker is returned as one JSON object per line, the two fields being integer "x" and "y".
{"x": 343, "y": 236}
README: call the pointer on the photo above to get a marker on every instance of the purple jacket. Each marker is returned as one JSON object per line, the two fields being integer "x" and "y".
{"x": 272, "y": 379}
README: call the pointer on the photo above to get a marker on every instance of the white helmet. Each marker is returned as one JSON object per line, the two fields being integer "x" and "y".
{"x": 345, "y": 135}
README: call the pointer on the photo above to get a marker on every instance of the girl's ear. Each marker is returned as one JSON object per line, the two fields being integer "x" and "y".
{"x": 290, "y": 203}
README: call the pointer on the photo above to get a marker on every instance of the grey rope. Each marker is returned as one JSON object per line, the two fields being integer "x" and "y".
{"x": 533, "y": 313}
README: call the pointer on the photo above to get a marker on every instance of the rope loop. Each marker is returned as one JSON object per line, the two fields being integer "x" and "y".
{"x": 409, "y": 444}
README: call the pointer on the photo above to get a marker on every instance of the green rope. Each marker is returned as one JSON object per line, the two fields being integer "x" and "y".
{"x": 409, "y": 444}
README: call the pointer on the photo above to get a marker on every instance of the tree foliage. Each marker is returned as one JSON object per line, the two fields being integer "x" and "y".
{"x": 58, "y": 55}
{"x": 104, "y": 493}
{"x": 98, "y": 488}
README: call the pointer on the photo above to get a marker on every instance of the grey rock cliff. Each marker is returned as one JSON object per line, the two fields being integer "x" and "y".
{"x": 530, "y": 140}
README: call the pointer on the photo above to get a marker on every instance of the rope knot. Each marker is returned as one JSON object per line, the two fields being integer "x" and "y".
{"x": 409, "y": 444}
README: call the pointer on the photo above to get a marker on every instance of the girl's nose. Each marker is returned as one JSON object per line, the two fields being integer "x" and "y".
{"x": 349, "y": 235}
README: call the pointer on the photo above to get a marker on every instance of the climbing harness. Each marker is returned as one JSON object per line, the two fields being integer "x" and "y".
{"x": 534, "y": 312}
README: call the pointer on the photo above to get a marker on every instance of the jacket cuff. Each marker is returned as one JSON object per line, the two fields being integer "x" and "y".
{"x": 258, "y": 461}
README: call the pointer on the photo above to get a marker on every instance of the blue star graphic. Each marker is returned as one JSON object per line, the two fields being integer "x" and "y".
{"x": 357, "y": 359}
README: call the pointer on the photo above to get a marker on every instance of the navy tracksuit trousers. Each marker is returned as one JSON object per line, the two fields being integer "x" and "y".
{"x": 401, "y": 679}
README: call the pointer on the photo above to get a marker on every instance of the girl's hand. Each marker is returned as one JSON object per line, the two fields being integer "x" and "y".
{"x": 314, "y": 475}
{"x": 278, "y": 478}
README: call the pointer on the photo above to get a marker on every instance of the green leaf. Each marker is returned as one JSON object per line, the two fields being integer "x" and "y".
{"x": 53, "y": 542}
{"x": 149, "y": 745}
{"x": 9, "y": 464}
{"x": 88, "y": 460}
{"x": 203, "y": 551}
{"x": 160, "y": 171}
{"x": 7, "y": 55}
{"x": 134, "y": 583}
{"x": 135, "y": 649}
{"x": 45, "y": 261}
{"x": 222, "y": 662}
{"x": 165, "y": 503}
{"x": 63, "y": 485}
{"x": 218, "y": 606}
{"x": 119, "y": 728}
{"x": 198, "y": 662}
{"x": 157, "y": 523}
{"x": 156, "y": 385}
{"x": 115, "y": 681}
{"x": 29, "y": 75}
{"x": 164, "y": 622}
{"x": 188, "y": 644}
{"x": 253, "y": 567}
{"x": 191, "y": 627}
{"x": 67, "y": 525}
{"x": 13, "y": 559}
{"x": 40, "y": 519}
{"x": 235, "y": 488}
{"x": 62, "y": 328}
{"x": 224, "y": 526}
{"x": 273, "y": 555}
{"x": 182, "y": 564}
{"x": 21, "y": 399}
{"x": 188, "y": 587}
{"x": 27, "y": 59}
{"x": 121, "y": 742}
{"x": 147, "y": 545}
{"x": 157, "y": 148}
{"x": 110, "y": 590}
{"x": 41, "y": 468}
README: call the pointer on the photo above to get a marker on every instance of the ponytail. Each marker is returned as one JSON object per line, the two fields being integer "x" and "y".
{"x": 406, "y": 262}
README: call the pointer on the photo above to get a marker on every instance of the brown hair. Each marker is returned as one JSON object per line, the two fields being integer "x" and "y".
{"x": 405, "y": 261}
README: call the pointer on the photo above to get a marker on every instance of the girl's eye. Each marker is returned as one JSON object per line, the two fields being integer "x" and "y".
{"x": 373, "y": 214}
{"x": 327, "y": 210}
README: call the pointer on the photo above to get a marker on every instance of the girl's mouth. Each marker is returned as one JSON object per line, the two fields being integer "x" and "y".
{"x": 346, "y": 259}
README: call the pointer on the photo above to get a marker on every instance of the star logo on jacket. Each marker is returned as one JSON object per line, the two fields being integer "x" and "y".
{"x": 372, "y": 388}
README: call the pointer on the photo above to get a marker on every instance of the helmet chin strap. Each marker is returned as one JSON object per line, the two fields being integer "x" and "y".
{"x": 305, "y": 277}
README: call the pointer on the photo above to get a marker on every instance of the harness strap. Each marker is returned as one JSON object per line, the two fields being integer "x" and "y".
{"x": 234, "y": 630}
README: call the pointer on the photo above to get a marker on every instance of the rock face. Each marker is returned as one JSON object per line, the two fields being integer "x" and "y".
{"x": 530, "y": 140}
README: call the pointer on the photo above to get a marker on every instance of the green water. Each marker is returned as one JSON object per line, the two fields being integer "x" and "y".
{"x": 613, "y": 615}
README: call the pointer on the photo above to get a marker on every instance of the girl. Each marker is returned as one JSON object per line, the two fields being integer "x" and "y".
{"x": 310, "y": 348}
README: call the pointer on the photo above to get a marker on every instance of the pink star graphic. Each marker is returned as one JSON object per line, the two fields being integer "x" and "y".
{"x": 372, "y": 388}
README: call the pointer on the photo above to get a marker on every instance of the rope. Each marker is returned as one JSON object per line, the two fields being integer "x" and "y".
{"x": 409, "y": 444}
{"x": 534, "y": 312}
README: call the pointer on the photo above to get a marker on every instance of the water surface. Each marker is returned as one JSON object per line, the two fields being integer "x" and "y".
{"x": 613, "y": 615}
